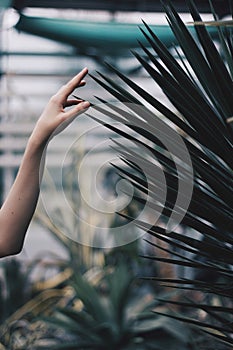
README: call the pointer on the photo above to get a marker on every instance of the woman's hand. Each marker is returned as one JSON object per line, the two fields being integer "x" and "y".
{"x": 55, "y": 118}
{"x": 19, "y": 206}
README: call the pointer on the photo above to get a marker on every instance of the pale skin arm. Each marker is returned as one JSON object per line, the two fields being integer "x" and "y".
{"x": 19, "y": 206}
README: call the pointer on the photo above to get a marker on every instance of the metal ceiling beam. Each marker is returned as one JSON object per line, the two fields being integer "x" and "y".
{"x": 221, "y": 7}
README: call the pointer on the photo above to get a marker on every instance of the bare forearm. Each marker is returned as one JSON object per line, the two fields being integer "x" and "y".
{"x": 18, "y": 209}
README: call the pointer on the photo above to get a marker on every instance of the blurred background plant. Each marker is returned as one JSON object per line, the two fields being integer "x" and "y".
{"x": 13, "y": 292}
{"x": 38, "y": 289}
{"x": 115, "y": 313}
{"x": 24, "y": 296}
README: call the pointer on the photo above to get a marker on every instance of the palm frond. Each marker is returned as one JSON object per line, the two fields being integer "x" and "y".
{"x": 201, "y": 92}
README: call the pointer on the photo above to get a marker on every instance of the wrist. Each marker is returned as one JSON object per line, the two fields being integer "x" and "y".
{"x": 39, "y": 137}
{"x": 36, "y": 142}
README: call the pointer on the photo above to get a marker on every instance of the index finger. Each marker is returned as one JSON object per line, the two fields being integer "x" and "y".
{"x": 69, "y": 87}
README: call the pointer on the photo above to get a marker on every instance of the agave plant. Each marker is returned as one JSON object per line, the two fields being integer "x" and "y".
{"x": 197, "y": 80}
{"x": 114, "y": 314}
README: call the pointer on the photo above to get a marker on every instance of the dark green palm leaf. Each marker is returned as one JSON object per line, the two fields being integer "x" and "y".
{"x": 203, "y": 107}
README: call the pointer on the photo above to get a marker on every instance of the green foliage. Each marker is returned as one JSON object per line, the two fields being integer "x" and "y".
{"x": 116, "y": 315}
{"x": 14, "y": 290}
{"x": 199, "y": 85}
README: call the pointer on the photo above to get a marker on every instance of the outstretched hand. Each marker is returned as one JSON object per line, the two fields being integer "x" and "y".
{"x": 20, "y": 204}
{"x": 55, "y": 117}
